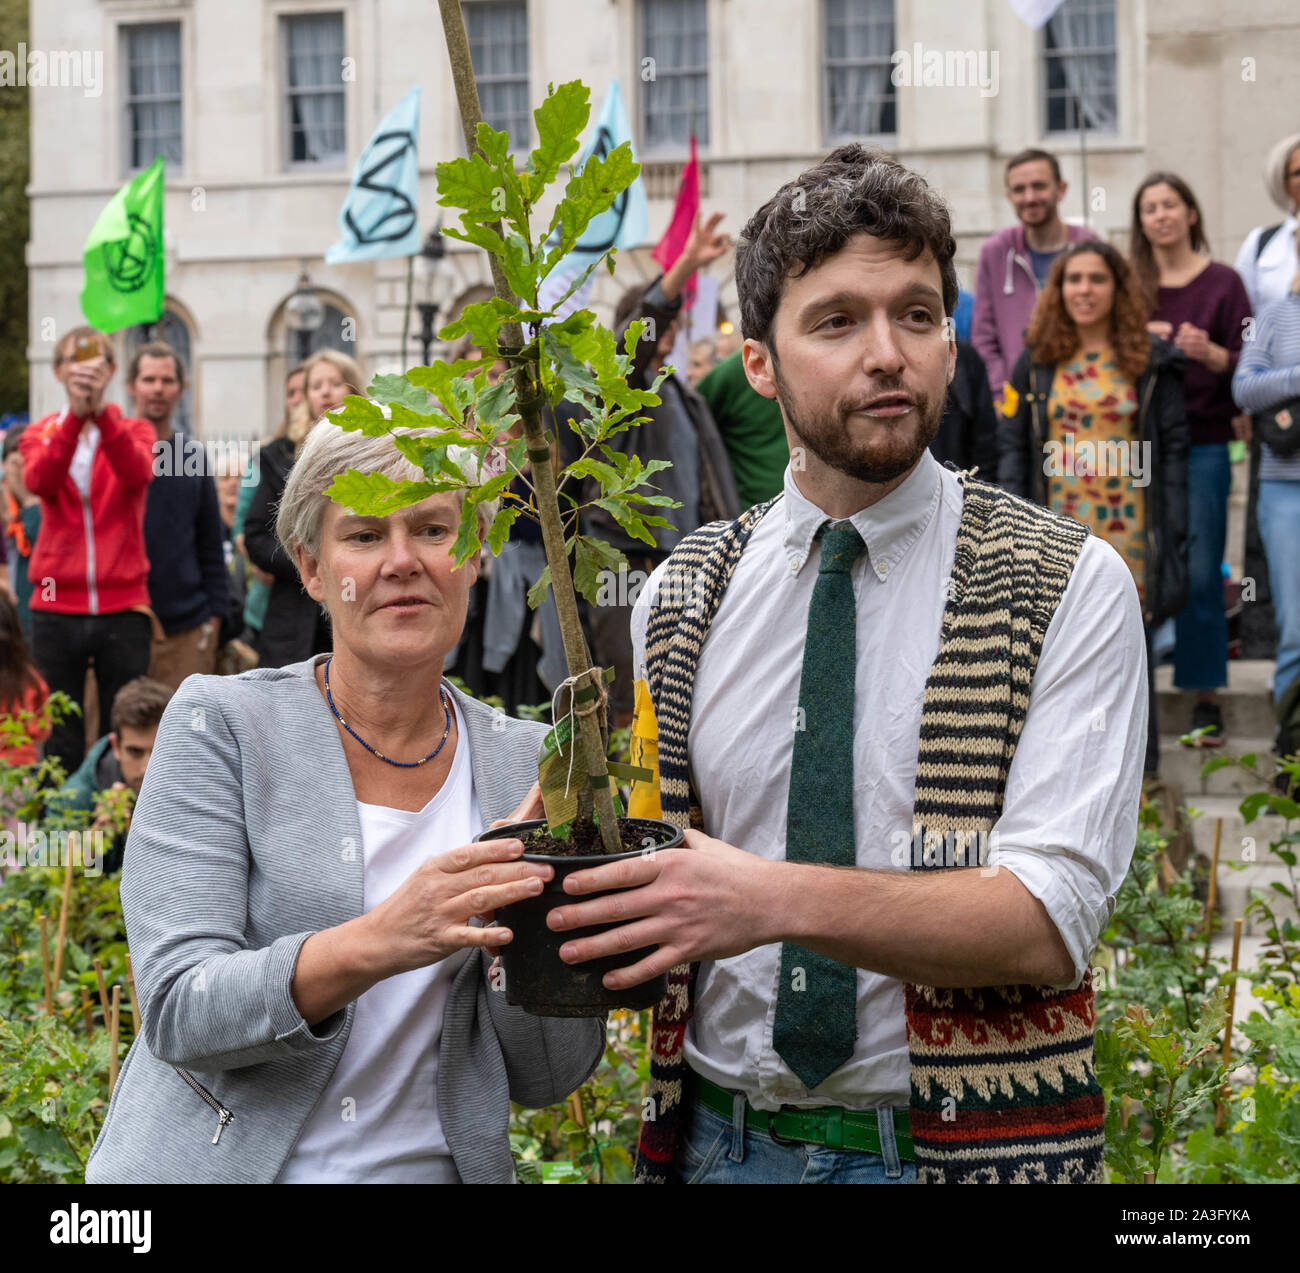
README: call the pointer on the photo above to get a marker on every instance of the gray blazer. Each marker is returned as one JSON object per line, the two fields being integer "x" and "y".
{"x": 245, "y": 842}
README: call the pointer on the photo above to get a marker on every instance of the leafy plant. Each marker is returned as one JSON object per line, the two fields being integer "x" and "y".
{"x": 503, "y": 424}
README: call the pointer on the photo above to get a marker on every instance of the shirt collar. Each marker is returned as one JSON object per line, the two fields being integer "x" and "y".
{"x": 888, "y": 528}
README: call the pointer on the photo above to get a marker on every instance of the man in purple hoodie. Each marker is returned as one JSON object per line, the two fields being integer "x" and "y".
{"x": 1015, "y": 262}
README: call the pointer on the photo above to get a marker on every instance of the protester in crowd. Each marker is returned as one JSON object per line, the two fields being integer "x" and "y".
{"x": 963, "y": 317}
{"x": 90, "y": 466}
{"x": 22, "y": 689}
{"x": 793, "y": 659}
{"x": 751, "y": 427}
{"x": 728, "y": 343}
{"x": 1015, "y": 262}
{"x": 1267, "y": 262}
{"x": 189, "y": 589}
{"x": 1093, "y": 392}
{"x": 117, "y": 762}
{"x": 237, "y": 565}
{"x": 294, "y": 626}
{"x": 679, "y": 430}
{"x": 968, "y": 431}
{"x": 1202, "y": 308}
{"x": 1270, "y": 254}
{"x": 22, "y": 514}
{"x": 259, "y": 582}
{"x": 337, "y": 930}
{"x": 702, "y": 357}
{"x": 1267, "y": 384}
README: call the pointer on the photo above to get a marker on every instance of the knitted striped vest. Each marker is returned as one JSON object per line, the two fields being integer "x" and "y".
{"x": 1003, "y": 1087}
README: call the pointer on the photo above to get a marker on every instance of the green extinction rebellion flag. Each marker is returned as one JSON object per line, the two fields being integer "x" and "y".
{"x": 124, "y": 256}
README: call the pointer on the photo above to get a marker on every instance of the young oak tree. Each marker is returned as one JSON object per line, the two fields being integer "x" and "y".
{"x": 574, "y": 358}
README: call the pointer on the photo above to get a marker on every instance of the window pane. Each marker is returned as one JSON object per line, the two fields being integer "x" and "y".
{"x": 859, "y": 98}
{"x": 314, "y": 88}
{"x": 152, "y": 53}
{"x": 1080, "y": 79}
{"x": 675, "y": 34}
{"x": 498, "y": 43}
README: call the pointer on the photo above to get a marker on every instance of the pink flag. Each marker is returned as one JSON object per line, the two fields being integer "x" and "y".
{"x": 685, "y": 210}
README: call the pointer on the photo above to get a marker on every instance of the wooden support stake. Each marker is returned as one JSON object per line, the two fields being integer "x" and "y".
{"x": 87, "y": 1010}
{"x": 44, "y": 921}
{"x": 63, "y": 920}
{"x": 1149, "y": 1178}
{"x": 1210, "y": 898}
{"x": 1220, "y": 1109}
{"x": 103, "y": 990}
{"x": 112, "y": 1039}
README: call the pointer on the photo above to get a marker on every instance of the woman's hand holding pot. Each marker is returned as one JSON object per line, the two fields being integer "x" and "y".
{"x": 428, "y": 917}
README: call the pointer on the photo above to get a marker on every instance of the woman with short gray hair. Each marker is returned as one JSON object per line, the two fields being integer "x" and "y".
{"x": 308, "y": 904}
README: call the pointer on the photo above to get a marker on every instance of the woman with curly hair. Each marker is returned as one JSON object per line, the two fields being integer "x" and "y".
{"x": 1094, "y": 427}
{"x": 1202, "y": 308}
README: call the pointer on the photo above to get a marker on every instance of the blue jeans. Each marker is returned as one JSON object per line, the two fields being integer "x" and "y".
{"x": 719, "y": 1151}
{"x": 1201, "y": 655}
{"x": 1279, "y": 528}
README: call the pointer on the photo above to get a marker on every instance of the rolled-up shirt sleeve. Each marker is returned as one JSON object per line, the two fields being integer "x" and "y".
{"x": 1070, "y": 810}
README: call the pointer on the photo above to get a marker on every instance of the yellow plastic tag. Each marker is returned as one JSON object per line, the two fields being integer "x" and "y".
{"x": 643, "y": 800}
{"x": 1010, "y": 400}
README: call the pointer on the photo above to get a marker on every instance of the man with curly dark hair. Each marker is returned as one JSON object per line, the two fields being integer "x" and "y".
{"x": 890, "y": 670}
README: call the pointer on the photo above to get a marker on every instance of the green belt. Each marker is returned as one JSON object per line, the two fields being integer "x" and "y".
{"x": 827, "y": 1125}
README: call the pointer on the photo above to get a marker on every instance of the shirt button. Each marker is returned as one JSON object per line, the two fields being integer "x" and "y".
{"x": 884, "y": 567}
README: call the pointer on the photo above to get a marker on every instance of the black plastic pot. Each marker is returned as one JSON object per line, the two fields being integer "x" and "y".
{"x": 536, "y": 978}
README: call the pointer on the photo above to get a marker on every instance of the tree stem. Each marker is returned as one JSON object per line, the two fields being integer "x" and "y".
{"x": 527, "y": 392}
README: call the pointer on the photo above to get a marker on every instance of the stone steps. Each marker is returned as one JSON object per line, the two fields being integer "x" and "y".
{"x": 1247, "y": 703}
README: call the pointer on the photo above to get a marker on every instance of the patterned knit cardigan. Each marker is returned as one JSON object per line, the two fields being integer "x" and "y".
{"x": 1003, "y": 1087}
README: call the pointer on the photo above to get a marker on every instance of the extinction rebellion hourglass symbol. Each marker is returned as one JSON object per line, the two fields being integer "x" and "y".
{"x": 130, "y": 261}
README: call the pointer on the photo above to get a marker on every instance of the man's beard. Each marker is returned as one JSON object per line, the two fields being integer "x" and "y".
{"x": 831, "y": 438}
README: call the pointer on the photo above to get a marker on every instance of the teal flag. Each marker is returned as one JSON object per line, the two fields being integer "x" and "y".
{"x": 124, "y": 256}
{"x": 380, "y": 216}
{"x": 624, "y": 225}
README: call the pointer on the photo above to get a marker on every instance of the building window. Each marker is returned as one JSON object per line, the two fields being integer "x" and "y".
{"x": 1079, "y": 76}
{"x": 174, "y": 331}
{"x": 675, "y": 36}
{"x": 313, "y": 55}
{"x": 153, "y": 93}
{"x": 859, "y": 95}
{"x": 498, "y": 43}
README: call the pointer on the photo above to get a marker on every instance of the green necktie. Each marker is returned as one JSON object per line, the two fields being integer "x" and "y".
{"x": 816, "y": 1004}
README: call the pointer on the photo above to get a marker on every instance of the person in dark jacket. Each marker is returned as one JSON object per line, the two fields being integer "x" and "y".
{"x": 189, "y": 590}
{"x": 1094, "y": 427}
{"x": 680, "y": 430}
{"x": 968, "y": 431}
{"x": 294, "y": 628}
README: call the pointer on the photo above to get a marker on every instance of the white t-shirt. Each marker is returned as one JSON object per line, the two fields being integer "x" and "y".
{"x": 377, "y": 1120}
{"x": 82, "y": 459}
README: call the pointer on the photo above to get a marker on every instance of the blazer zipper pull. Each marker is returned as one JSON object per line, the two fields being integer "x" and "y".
{"x": 224, "y": 1117}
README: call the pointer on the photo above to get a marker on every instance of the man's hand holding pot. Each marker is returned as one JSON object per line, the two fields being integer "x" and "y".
{"x": 709, "y": 900}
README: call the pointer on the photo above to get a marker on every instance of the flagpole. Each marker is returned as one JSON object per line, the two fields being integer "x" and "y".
{"x": 1083, "y": 141}
{"x": 406, "y": 312}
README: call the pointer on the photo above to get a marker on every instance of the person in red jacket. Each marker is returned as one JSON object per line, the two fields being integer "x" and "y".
{"x": 91, "y": 467}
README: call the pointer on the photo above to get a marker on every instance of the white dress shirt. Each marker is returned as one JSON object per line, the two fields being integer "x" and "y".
{"x": 1069, "y": 817}
{"x": 377, "y": 1120}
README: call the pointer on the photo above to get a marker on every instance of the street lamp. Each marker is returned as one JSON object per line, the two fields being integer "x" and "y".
{"x": 304, "y": 312}
{"x": 436, "y": 274}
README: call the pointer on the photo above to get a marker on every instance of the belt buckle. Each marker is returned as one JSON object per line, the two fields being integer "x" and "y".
{"x": 781, "y": 1140}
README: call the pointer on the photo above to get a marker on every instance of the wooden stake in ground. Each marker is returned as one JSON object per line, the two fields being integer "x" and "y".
{"x": 1220, "y": 1109}
{"x": 1210, "y": 898}
{"x": 87, "y": 1010}
{"x": 112, "y": 1039}
{"x": 63, "y": 918}
{"x": 103, "y": 989}
{"x": 44, "y": 921}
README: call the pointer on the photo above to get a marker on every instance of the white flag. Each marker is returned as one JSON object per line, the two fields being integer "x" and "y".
{"x": 1036, "y": 12}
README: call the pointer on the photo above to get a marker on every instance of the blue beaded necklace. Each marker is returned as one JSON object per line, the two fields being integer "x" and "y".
{"x": 401, "y": 764}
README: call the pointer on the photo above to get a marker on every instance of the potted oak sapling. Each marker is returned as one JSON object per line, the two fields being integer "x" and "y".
{"x": 573, "y": 358}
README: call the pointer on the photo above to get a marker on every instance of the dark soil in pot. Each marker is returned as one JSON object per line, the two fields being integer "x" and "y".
{"x": 536, "y": 978}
